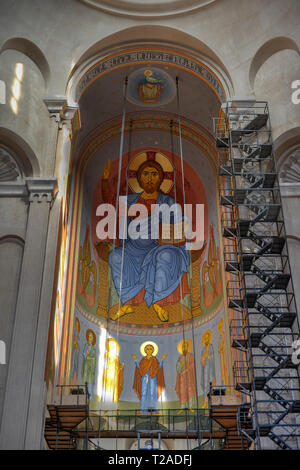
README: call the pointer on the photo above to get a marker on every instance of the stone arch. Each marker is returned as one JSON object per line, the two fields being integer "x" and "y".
{"x": 268, "y": 49}
{"x": 22, "y": 153}
{"x": 293, "y": 237}
{"x": 285, "y": 145}
{"x": 32, "y": 51}
{"x": 13, "y": 238}
{"x": 151, "y": 36}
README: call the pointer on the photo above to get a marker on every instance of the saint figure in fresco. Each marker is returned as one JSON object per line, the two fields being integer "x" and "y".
{"x": 150, "y": 90}
{"x": 75, "y": 352}
{"x": 89, "y": 363}
{"x": 153, "y": 268}
{"x": 112, "y": 380}
{"x": 149, "y": 380}
{"x": 87, "y": 272}
{"x": 211, "y": 272}
{"x": 208, "y": 369}
{"x": 222, "y": 352}
{"x": 186, "y": 378}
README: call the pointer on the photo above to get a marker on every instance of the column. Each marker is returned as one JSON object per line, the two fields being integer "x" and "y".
{"x": 25, "y": 358}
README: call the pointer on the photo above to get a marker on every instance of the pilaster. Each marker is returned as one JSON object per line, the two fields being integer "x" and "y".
{"x": 24, "y": 351}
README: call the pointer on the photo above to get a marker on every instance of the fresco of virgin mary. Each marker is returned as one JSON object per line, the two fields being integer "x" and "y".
{"x": 149, "y": 380}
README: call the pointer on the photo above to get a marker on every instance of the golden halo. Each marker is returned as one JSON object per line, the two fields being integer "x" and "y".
{"x": 188, "y": 341}
{"x": 142, "y": 348}
{"x": 148, "y": 73}
{"x": 112, "y": 340}
{"x": 203, "y": 336}
{"x": 93, "y": 334}
{"x": 140, "y": 158}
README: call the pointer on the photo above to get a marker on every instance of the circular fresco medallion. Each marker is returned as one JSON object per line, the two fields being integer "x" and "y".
{"x": 150, "y": 86}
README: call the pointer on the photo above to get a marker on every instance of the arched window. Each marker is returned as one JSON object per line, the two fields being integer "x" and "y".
{"x": 9, "y": 169}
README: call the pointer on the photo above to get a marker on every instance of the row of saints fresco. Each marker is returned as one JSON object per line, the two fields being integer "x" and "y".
{"x": 149, "y": 382}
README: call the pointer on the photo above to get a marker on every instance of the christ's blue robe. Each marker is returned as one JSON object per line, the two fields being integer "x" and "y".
{"x": 146, "y": 264}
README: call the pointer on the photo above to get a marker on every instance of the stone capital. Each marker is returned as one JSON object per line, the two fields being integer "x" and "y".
{"x": 41, "y": 188}
{"x": 60, "y": 110}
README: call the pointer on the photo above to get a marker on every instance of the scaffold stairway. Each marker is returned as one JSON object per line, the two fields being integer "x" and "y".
{"x": 264, "y": 322}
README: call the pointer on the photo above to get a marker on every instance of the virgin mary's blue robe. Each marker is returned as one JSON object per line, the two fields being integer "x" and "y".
{"x": 146, "y": 264}
{"x": 149, "y": 391}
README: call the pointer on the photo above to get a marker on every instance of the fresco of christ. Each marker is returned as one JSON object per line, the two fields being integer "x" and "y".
{"x": 154, "y": 270}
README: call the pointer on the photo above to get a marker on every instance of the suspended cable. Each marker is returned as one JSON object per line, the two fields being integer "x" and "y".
{"x": 190, "y": 303}
{"x": 180, "y": 285}
{"x": 122, "y": 261}
{"x": 125, "y": 215}
{"x": 175, "y": 197}
{"x": 104, "y": 382}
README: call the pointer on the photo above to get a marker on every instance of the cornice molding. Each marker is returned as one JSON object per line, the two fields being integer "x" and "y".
{"x": 31, "y": 188}
{"x": 13, "y": 189}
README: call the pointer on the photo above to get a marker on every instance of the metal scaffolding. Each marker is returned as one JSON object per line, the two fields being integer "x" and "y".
{"x": 263, "y": 318}
{"x": 72, "y": 425}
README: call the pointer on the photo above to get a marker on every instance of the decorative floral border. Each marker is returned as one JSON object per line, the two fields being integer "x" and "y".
{"x": 144, "y": 330}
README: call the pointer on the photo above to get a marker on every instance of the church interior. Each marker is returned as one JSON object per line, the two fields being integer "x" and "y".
{"x": 149, "y": 236}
